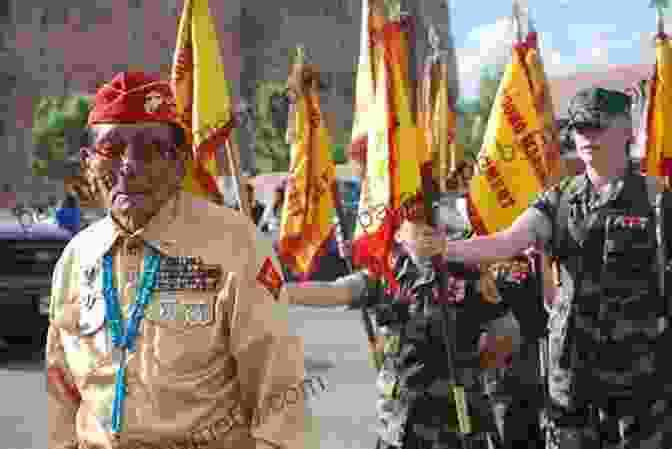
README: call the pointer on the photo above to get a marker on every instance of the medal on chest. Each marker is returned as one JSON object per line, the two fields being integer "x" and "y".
{"x": 188, "y": 273}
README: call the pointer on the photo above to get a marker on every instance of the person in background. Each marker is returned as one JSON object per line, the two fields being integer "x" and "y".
{"x": 415, "y": 405}
{"x": 7, "y": 197}
{"x": 270, "y": 222}
{"x": 68, "y": 213}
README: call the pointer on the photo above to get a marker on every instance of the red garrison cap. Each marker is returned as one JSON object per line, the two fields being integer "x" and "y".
{"x": 133, "y": 97}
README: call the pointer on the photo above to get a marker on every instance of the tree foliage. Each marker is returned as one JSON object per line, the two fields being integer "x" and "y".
{"x": 271, "y": 149}
{"x": 272, "y": 108}
{"x": 58, "y": 130}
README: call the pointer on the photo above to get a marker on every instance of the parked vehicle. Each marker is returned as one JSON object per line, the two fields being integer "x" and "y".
{"x": 29, "y": 252}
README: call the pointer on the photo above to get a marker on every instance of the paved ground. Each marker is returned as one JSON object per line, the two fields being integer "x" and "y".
{"x": 335, "y": 349}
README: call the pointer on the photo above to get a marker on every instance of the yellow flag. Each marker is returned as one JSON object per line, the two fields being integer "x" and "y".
{"x": 202, "y": 96}
{"x": 309, "y": 208}
{"x": 409, "y": 148}
{"x": 439, "y": 122}
{"x": 510, "y": 168}
{"x": 364, "y": 82}
{"x": 392, "y": 174}
{"x": 657, "y": 120}
{"x": 376, "y": 187}
{"x": 542, "y": 94}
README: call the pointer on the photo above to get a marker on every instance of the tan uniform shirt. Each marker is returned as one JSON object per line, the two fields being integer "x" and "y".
{"x": 216, "y": 368}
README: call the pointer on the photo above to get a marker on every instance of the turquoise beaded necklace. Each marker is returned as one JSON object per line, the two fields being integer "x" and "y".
{"x": 125, "y": 341}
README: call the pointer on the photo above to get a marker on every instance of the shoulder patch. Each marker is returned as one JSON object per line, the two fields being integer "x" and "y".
{"x": 270, "y": 277}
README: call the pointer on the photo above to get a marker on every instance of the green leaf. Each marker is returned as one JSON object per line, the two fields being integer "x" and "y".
{"x": 338, "y": 154}
{"x": 56, "y": 121}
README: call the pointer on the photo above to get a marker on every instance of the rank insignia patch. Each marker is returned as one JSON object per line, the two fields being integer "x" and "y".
{"x": 270, "y": 278}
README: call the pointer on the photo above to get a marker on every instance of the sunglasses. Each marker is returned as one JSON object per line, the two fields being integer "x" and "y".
{"x": 583, "y": 127}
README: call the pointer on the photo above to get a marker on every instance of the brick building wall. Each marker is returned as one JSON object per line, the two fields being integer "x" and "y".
{"x": 69, "y": 46}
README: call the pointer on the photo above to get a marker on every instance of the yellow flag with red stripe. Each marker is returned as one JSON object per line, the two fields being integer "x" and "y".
{"x": 202, "y": 96}
{"x": 542, "y": 94}
{"x": 364, "y": 86}
{"x": 511, "y": 169}
{"x": 309, "y": 208}
{"x": 437, "y": 118}
{"x": 376, "y": 187}
{"x": 389, "y": 179}
{"x": 656, "y": 135}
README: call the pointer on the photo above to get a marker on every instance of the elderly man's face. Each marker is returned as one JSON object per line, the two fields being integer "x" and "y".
{"x": 131, "y": 165}
{"x": 603, "y": 147}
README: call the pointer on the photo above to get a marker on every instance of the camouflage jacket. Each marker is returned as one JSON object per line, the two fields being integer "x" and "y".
{"x": 607, "y": 325}
{"x": 415, "y": 399}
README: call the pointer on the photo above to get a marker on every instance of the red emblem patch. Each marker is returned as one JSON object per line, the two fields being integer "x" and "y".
{"x": 56, "y": 377}
{"x": 270, "y": 278}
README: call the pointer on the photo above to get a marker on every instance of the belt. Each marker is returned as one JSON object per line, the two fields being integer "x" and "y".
{"x": 198, "y": 439}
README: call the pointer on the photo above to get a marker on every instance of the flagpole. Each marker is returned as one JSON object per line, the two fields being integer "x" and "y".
{"x": 448, "y": 314}
{"x": 516, "y": 21}
{"x": 231, "y": 149}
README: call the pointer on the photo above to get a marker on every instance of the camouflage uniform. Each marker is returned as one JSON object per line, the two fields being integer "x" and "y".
{"x": 416, "y": 409}
{"x": 516, "y": 391}
{"x": 608, "y": 326}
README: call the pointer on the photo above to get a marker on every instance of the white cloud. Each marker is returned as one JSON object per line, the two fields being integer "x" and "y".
{"x": 486, "y": 45}
{"x": 491, "y": 32}
{"x": 490, "y": 44}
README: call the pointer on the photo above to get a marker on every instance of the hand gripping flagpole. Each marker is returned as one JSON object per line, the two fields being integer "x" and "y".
{"x": 448, "y": 313}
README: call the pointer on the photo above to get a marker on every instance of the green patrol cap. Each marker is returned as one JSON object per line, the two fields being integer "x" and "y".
{"x": 595, "y": 107}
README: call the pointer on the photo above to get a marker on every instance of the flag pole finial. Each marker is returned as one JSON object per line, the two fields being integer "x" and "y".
{"x": 434, "y": 41}
{"x": 515, "y": 17}
{"x": 300, "y": 55}
{"x": 660, "y": 6}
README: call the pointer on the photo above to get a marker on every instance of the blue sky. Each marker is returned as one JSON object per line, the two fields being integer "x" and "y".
{"x": 576, "y": 35}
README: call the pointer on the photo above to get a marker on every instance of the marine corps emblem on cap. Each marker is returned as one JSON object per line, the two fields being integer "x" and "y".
{"x": 134, "y": 97}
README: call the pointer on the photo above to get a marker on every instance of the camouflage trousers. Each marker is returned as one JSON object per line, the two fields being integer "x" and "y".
{"x": 478, "y": 441}
{"x": 624, "y": 425}
{"x": 592, "y": 419}
{"x": 516, "y": 397}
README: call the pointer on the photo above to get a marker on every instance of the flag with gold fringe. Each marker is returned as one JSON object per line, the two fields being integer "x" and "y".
{"x": 202, "y": 96}
{"x": 544, "y": 103}
{"x": 309, "y": 207}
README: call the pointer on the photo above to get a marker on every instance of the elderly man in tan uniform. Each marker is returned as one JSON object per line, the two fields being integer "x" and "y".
{"x": 165, "y": 331}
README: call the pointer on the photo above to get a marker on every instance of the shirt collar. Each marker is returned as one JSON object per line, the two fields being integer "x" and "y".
{"x": 612, "y": 190}
{"x": 106, "y": 232}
